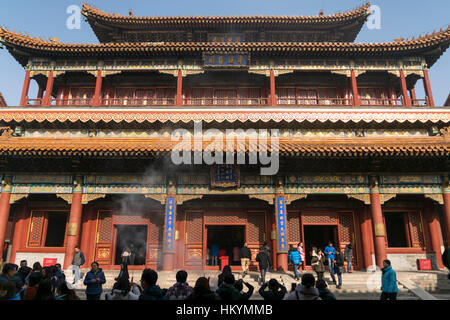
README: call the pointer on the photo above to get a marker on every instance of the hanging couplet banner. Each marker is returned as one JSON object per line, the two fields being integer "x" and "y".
{"x": 170, "y": 225}
{"x": 281, "y": 226}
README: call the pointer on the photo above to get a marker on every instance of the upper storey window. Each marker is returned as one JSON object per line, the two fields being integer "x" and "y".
{"x": 226, "y": 37}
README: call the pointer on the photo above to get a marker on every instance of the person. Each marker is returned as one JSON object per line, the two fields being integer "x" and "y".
{"x": 64, "y": 293}
{"x": 348, "y": 256}
{"x": 236, "y": 255}
{"x": 201, "y": 292}
{"x": 59, "y": 276}
{"x": 132, "y": 254}
{"x": 3, "y": 290}
{"x": 329, "y": 252}
{"x": 295, "y": 258}
{"x": 151, "y": 290}
{"x": 276, "y": 290}
{"x": 123, "y": 272}
{"x": 9, "y": 270}
{"x": 338, "y": 267}
{"x": 181, "y": 289}
{"x": 214, "y": 254}
{"x": 93, "y": 281}
{"x": 44, "y": 291}
{"x": 33, "y": 282}
{"x": 226, "y": 270}
{"x": 318, "y": 264}
{"x": 36, "y": 268}
{"x": 126, "y": 253}
{"x": 77, "y": 261}
{"x": 324, "y": 293}
{"x": 302, "y": 255}
{"x": 446, "y": 260}
{"x": 264, "y": 263}
{"x": 244, "y": 296}
{"x": 389, "y": 288}
{"x": 306, "y": 290}
{"x": 226, "y": 290}
{"x": 24, "y": 270}
{"x": 123, "y": 290}
{"x": 11, "y": 291}
{"x": 245, "y": 255}
{"x": 269, "y": 254}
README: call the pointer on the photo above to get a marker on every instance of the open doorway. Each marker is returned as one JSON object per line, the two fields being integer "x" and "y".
{"x": 318, "y": 236}
{"x": 227, "y": 238}
{"x": 135, "y": 238}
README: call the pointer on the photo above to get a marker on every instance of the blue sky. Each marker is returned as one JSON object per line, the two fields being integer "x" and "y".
{"x": 47, "y": 18}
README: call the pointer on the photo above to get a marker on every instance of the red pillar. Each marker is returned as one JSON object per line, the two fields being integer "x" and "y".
{"x": 378, "y": 225}
{"x": 169, "y": 234}
{"x": 48, "y": 90}
{"x": 273, "y": 97}
{"x": 413, "y": 96}
{"x": 25, "y": 89}
{"x": 39, "y": 96}
{"x": 20, "y": 230}
{"x": 433, "y": 225}
{"x": 179, "y": 99}
{"x": 74, "y": 227}
{"x": 406, "y": 99}
{"x": 366, "y": 236}
{"x": 98, "y": 89}
{"x": 273, "y": 232}
{"x": 356, "y": 100}
{"x": 4, "y": 213}
{"x": 446, "y": 196}
{"x": 427, "y": 86}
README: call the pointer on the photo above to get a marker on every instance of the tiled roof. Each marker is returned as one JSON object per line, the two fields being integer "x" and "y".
{"x": 103, "y": 17}
{"x": 342, "y": 147}
{"x": 2, "y": 101}
{"x": 432, "y": 45}
{"x": 230, "y": 115}
{"x": 447, "y": 102}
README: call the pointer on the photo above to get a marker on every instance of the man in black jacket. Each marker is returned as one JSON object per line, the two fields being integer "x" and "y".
{"x": 338, "y": 266}
{"x": 245, "y": 256}
{"x": 264, "y": 263}
{"x": 446, "y": 260}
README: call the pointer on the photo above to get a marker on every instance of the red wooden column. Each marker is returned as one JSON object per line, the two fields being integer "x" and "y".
{"x": 4, "y": 211}
{"x": 433, "y": 225}
{"x": 73, "y": 231}
{"x": 413, "y": 96}
{"x": 273, "y": 96}
{"x": 20, "y": 229}
{"x": 356, "y": 100}
{"x": 366, "y": 236}
{"x": 98, "y": 89}
{"x": 48, "y": 90}
{"x": 179, "y": 99}
{"x": 25, "y": 89}
{"x": 378, "y": 224}
{"x": 427, "y": 86}
{"x": 446, "y": 196}
{"x": 39, "y": 96}
{"x": 273, "y": 237}
{"x": 406, "y": 99}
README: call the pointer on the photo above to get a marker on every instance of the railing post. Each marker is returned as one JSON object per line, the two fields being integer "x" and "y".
{"x": 48, "y": 90}
{"x": 427, "y": 86}
{"x": 406, "y": 99}
{"x": 413, "y": 96}
{"x": 25, "y": 88}
{"x": 39, "y": 96}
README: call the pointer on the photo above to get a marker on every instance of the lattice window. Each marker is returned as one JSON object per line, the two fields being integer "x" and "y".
{"x": 294, "y": 230}
{"x": 105, "y": 227}
{"x": 194, "y": 227}
{"x": 36, "y": 229}
{"x": 312, "y": 218}
{"x": 226, "y": 218}
{"x": 130, "y": 218}
{"x": 416, "y": 230}
{"x": 156, "y": 228}
{"x": 255, "y": 227}
{"x": 345, "y": 228}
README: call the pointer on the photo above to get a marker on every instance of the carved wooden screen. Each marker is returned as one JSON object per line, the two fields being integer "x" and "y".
{"x": 347, "y": 233}
{"x": 103, "y": 248}
{"x": 294, "y": 233}
{"x": 194, "y": 239}
{"x": 416, "y": 230}
{"x": 36, "y": 229}
{"x": 156, "y": 237}
{"x": 256, "y": 228}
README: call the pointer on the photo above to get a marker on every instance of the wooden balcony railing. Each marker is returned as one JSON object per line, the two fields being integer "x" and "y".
{"x": 315, "y": 101}
{"x": 138, "y": 101}
{"x": 226, "y": 101}
{"x": 381, "y": 102}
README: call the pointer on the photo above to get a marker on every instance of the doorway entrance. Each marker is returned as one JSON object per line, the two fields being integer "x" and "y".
{"x": 318, "y": 236}
{"x": 135, "y": 239}
{"x": 227, "y": 238}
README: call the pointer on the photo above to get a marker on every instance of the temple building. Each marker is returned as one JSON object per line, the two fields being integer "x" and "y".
{"x": 89, "y": 160}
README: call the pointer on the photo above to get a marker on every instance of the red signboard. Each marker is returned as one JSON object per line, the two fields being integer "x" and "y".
{"x": 425, "y": 264}
{"x": 49, "y": 262}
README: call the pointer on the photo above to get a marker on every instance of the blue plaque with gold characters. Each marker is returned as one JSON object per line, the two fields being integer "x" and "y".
{"x": 281, "y": 225}
{"x": 170, "y": 225}
{"x": 225, "y": 176}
